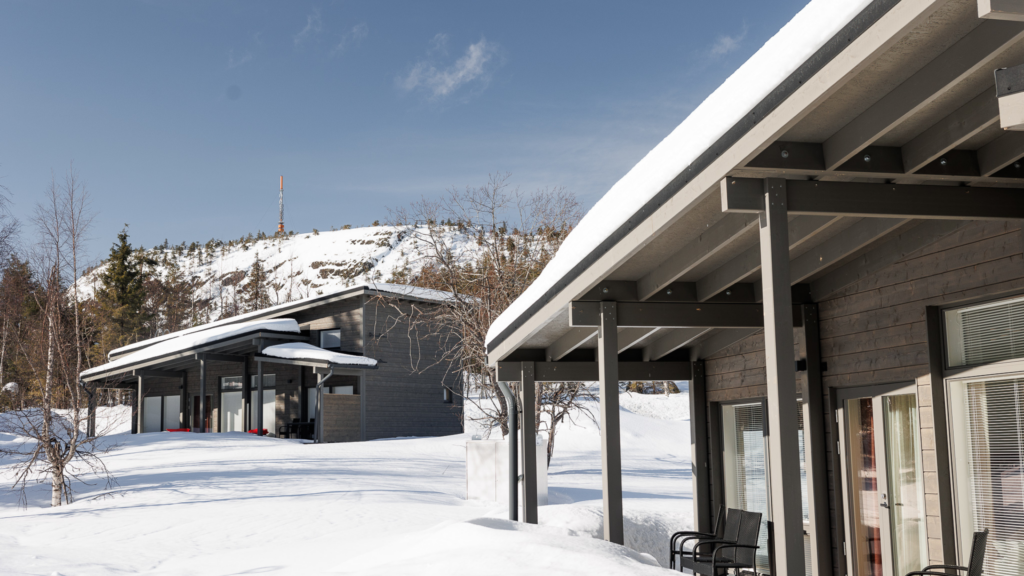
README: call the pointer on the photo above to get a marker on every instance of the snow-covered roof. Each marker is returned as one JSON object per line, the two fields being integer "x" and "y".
{"x": 190, "y": 341}
{"x": 400, "y": 290}
{"x": 781, "y": 55}
{"x": 304, "y": 351}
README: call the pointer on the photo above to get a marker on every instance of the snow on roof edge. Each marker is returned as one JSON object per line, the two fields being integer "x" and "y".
{"x": 306, "y": 351}
{"x": 397, "y": 289}
{"x": 192, "y": 340}
{"x": 762, "y": 73}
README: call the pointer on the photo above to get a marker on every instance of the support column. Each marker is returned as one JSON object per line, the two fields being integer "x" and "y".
{"x": 699, "y": 449}
{"x": 814, "y": 447}
{"x": 318, "y": 428}
{"x": 513, "y": 451}
{"x": 528, "y": 400}
{"x": 138, "y": 412}
{"x": 783, "y": 441}
{"x": 183, "y": 399}
{"x": 611, "y": 454}
{"x": 199, "y": 420}
{"x": 91, "y": 418}
{"x": 246, "y": 397}
{"x": 259, "y": 395}
{"x": 943, "y": 474}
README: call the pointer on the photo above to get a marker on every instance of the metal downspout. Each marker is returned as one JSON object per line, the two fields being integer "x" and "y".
{"x": 513, "y": 452}
{"x": 319, "y": 404}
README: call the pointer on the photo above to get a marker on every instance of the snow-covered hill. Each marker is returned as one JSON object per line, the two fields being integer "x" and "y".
{"x": 298, "y": 265}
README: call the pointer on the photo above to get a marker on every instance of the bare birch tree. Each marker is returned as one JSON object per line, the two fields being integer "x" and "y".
{"x": 56, "y": 445}
{"x": 484, "y": 246}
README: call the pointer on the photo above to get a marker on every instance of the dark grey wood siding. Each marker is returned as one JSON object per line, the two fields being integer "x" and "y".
{"x": 874, "y": 332}
{"x": 405, "y": 395}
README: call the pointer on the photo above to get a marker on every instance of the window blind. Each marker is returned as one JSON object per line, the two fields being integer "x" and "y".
{"x": 987, "y": 333}
{"x": 995, "y": 431}
{"x": 752, "y": 472}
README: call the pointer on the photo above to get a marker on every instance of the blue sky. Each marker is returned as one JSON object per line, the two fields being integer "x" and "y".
{"x": 180, "y": 116}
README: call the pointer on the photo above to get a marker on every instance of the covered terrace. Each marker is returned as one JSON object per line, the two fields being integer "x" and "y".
{"x": 863, "y": 133}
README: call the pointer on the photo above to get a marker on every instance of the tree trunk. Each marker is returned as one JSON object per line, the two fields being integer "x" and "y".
{"x": 57, "y": 492}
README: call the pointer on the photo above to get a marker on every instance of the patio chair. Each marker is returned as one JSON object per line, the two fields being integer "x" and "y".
{"x": 974, "y": 564}
{"x": 730, "y": 534}
{"x": 725, "y": 555}
{"x": 674, "y": 551}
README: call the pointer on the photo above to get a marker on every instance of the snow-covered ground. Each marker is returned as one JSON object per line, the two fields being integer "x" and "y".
{"x": 238, "y": 504}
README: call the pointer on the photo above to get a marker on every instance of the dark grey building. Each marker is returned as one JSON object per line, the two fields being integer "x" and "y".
{"x": 355, "y": 342}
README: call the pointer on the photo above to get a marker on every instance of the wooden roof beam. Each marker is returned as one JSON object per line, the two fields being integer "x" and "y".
{"x": 629, "y": 337}
{"x": 837, "y": 248}
{"x": 674, "y": 315}
{"x": 801, "y": 230}
{"x": 805, "y": 160}
{"x": 963, "y": 123}
{"x": 570, "y": 341}
{"x": 879, "y": 200}
{"x": 587, "y": 371}
{"x": 672, "y": 341}
{"x": 1001, "y": 10}
{"x": 718, "y": 236}
{"x": 973, "y": 52}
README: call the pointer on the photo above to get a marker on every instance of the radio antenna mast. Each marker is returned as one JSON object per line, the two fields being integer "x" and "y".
{"x": 280, "y": 207}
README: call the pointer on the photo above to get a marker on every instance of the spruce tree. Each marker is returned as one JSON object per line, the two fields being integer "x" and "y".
{"x": 255, "y": 292}
{"x": 121, "y": 298}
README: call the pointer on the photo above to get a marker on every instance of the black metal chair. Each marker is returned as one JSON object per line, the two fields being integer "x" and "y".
{"x": 739, "y": 554}
{"x": 733, "y": 526}
{"x": 974, "y": 564}
{"x": 674, "y": 551}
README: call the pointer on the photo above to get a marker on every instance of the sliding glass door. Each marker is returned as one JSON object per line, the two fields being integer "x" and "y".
{"x": 884, "y": 481}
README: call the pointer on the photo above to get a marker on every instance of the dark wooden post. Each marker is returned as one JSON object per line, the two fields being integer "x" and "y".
{"x": 183, "y": 398}
{"x": 936, "y": 362}
{"x": 259, "y": 393}
{"x": 814, "y": 446}
{"x": 528, "y": 400}
{"x": 783, "y": 441}
{"x": 247, "y": 396}
{"x": 611, "y": 454}
{"x": 138, "y": 404}
{"x": 699, "y": 449}
{"x": 201, "y": 417}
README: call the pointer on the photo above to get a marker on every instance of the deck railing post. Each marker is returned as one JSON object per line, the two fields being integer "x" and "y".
{"x": 780, "y": 362}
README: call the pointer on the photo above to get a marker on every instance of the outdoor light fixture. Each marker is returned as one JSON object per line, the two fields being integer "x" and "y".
{"x": 1010, "y": 94}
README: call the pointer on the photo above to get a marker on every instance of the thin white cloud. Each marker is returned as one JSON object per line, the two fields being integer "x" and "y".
{"x": 352, "y": 38}
{"x": 471, "y": 66}
{"x": 236, "y": 60}
{"x": 725, "y": 44}
{"x": 312, "y": 28}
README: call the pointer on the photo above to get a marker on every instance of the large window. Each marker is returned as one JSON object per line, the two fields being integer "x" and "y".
{"x": 269, "y": 403}
{"x": 985, "y": 333}
{"x": 746, "y": 470}
{"x": 986, "y": 411}
{"x": 745, "y": 464}
{"x": 232, "y": 410}
{"x": 988, "y": 446}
